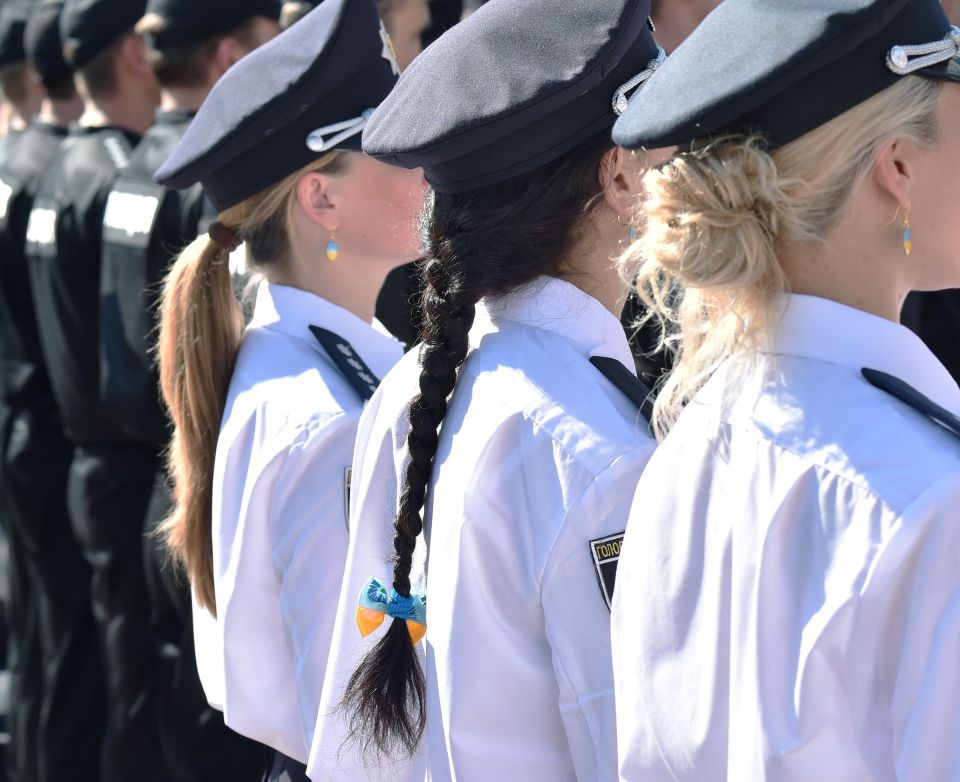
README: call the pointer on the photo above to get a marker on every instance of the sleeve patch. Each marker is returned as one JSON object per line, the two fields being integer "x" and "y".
{"x": 606, "y": 555}
{"x": 131, "y": 213}
{"x": 42, "y": 230}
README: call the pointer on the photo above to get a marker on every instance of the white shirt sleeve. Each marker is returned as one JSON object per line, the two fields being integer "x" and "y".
{"x": 308, "y": 535}
{"x": 577, "y": 620}
{"x": 912, "y": 612}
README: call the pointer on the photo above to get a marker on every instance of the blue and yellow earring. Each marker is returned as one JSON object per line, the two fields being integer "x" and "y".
{"x": 907, "y": 233}
{"x": 629, "y": 225}
{"x": 333, "y": 249}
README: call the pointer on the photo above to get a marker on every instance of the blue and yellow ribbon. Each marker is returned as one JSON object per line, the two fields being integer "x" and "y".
{"x": 375, "y": 603}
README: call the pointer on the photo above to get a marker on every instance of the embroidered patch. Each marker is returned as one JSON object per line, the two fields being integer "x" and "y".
{"x": 606, "y": 555}
{"x": 347, "y": 480}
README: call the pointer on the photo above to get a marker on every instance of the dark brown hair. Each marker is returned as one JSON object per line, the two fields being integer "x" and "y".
{"x": 99, "y": 75}
{"x": 481, "y": 243}
{"x": 186, "y": 65}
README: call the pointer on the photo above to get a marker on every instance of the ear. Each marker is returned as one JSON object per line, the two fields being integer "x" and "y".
{"x": 894, "y": 172}
{"x": 227, "y": 53}
{"x": 133, "y": 52}
{"x": 620, "y": 175}
{"x": 316, "y": 201}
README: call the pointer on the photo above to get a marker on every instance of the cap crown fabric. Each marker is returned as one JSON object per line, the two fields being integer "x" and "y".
{"x": 42, "y": 42}
{"x": 191, "y": 21}
{"x": 518, "y": 83}
{"x": 251, "y": 131}
{"x": 778, "y": 67}
{"x": 89, "y": 27}
{"x": 13, "y": 20}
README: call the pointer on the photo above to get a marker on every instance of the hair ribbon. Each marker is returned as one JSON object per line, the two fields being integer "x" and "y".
{"x": 375, "y": 603}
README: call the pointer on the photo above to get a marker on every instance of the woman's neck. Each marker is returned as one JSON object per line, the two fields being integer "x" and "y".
{"x": 592, "y": 265}
{"x": 348, "y": 283}
{"x": 859, "y": 273}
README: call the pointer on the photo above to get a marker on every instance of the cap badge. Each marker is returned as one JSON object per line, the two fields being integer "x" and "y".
{"x": 326, "y": 138}
{"x": 899, "y": 57}
{"x": 621, "y": 99}
{"x": 389, "y": 53}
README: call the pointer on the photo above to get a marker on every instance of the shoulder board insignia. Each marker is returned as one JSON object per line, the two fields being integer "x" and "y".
{"x": 42, "y": 229}
{"x": 347, "y": 484}
{"x": 348, "y": 361}
{"x": 131, "y": 213}
{"x": 624, "y": 380}
{"x": 606, "y": 556}
{"x": 910, "y": 396}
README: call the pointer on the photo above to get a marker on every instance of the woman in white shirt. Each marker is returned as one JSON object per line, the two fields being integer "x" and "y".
{"x": 524, "y": 451}
{"x": 788, "y": 599}
{"x": 265, "y": 425}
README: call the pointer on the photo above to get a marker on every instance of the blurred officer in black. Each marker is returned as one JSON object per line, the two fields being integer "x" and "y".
{"x": 935, "y": 316}
{"x": 190, "y": 44}
{"x": 22, "y": 95}
{"x": 111, "y": 477}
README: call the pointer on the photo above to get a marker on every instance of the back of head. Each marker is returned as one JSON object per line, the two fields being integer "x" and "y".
{"x": 44, "y": 49}
{"x": 183, "y": 35}
{"x": 92, "y": 32}
{"x": 511, "y": 131}
{"x": 15, "y": 74}
{"x": 769, "y": 161}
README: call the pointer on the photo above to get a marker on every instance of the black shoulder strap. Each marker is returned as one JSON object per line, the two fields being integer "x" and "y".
{"x": 910, "y": 396}
{"x": 621, "y": 377}
{"x": 348, "y": 361}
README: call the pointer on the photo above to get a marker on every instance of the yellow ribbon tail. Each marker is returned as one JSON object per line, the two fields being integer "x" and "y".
{"x": 368, "y": 620}
{"x": 417, "y": 631}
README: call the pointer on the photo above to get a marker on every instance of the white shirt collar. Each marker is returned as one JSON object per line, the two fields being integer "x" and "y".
{"x": 293, "y": 311}
{"x": 562, "y": 308}
{"x": 828, "y": 331}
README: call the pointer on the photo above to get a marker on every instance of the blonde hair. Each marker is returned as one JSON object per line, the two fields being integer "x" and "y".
{"x": 200, "y": 328}
{"x": 716, "y": 217}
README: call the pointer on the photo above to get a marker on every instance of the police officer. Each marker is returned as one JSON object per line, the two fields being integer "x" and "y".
{"x": 21, "y": 92}
{"x": 190, "y": 45}
{"x": 37, "y": 456}
{"x": 260, "y": 521}
{"x": 511, "y": 438}
{"x": 787, "y": 597}
{"x": 111, "y": 477}
{"x": 21, "y": 387}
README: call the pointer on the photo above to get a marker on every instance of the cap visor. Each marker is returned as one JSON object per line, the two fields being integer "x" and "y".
{"x": 944, "y": 71}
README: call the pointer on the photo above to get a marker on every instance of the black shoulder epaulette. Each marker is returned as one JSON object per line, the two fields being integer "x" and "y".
{"x": 621, "y": 377}
{"x": 348, "y": 361}
{"x": 910, "y": 396}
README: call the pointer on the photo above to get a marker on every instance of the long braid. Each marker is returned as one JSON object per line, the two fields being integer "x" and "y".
{"x": 482, "y": 243}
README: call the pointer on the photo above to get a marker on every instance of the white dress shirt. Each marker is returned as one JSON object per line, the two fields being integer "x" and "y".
{"x": 279, "y": 517}
{"x": 788, "y": 602}
{"x": 538, "y": 455}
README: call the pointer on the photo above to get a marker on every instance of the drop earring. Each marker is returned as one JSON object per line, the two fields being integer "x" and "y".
{"x": 333, "y": 249}
{"x": 907, "y": 233}
{"x": 632, "y": 231}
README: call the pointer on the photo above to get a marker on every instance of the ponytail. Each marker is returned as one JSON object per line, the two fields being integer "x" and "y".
{"x": 200, "y": 328}
{"x": 481, "y": 243}
{"x": 201, "y": 322}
